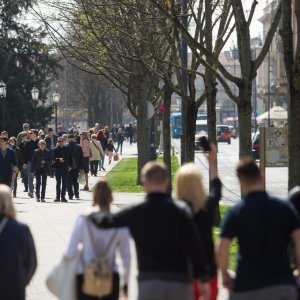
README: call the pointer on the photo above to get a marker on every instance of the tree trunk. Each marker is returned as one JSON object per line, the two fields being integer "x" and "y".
{"x": 244, "y": 113}
{"x": 190, "y": 123}
{"x": 211, "y": 110}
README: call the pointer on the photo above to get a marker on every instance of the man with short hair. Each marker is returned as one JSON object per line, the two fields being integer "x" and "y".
{"x": 263, "y": 226}
{"x": 29, "y": 148}
{"x": 8, "y": 163}
{"x": 169, "y": 250}
{"x": 26, "y": 128}
{"x": 51, "y": 141}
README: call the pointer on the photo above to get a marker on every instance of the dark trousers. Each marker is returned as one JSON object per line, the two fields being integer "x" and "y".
{"x": 120, "y": 145}
{"x": 72, "y": 183}
{"x": 6, "y": 180}
{"x": 25, "y": 178}
{"x": 94, "y": 166}
{"x": 41, "y": 178}
{"x": 113, "y": 296}
{"x": 15, "y": 185}
{"x": 130, "y": 139}
{"x": 61, "y": 182}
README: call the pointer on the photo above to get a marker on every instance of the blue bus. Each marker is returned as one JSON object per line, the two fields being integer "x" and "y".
{"x": 176, "y": 123}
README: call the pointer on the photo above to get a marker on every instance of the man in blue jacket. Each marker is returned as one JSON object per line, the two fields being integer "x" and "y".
{"x": 8, "y": 162}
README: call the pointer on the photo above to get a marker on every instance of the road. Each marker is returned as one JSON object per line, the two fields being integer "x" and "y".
{"x": 228, "y": 155}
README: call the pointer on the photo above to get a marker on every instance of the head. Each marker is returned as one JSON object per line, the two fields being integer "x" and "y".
{"x": 294, "y": 197}
{"x": 50, "y": 132}
{"x": 84, "y": 135}
{"x": 7, "y": 208}
{"x": 189, "y": 186}
{"x": 94, "y": 136}
{"x": 12, "y": 141}
{"x": 110, "y": 141}
{"x": 26, "y": 127}
{"x": 102, "y": 195}
{"x": 42, "y": 145}
{"x": 71, "y": 138}
{"x": 249, "y": 176}
{"x": 65, "y": 138}
{"x": 120, "y": 130}
{"x": 33, "y": 134}
{"x": 154, "y": 177}
{"x": 4, "y": 133}
{"x": 91, "y": 131}
{"x": 3, "y": 142}
{"x": 60, "y": 141}
{"x": 25, "y": 136}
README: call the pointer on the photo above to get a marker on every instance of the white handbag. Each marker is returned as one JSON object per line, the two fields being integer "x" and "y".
{"x": 61, "y": 281}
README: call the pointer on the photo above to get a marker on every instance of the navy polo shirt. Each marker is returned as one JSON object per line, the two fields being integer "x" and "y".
{"x": 263, "y": 226}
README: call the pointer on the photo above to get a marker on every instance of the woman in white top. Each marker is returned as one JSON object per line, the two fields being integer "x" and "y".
{"x": 117, "y": 238}
{"x": 97, "y": 154}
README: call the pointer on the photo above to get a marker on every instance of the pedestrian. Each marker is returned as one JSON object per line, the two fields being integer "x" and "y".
{"x": 41, "y": 135}
{"x": 17, "y": 252}
{"x": 103, "y": 141}
{"x": 263, "y": 226}
{"x": 8, "y": 163}
{"x": 130, "y": 133}
{"x": 120, "y": 140}
{"x": 26, "y": 128}
{"x": 73, "y": 174}
{"x": 51, "y": 141}
{"x": 110, "y": 150}
{"x": 40, "y": 165}
{"x": 62, "y": 163}
{"x": 189, "y": 187}
{"x": 24, "y": 175}
{"x": 29, "y": 148}
{"x": 97, "y": 154}
{"x": 65, "y": 139}
{"x": 13, "y": 145}
{"x": 85, "y": 145}
{"x": 97, "y": 242}
{"x": 166, "y": 238}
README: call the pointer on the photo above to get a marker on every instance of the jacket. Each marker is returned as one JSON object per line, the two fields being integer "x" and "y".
{"x": 76, "y": 153}
{"x": 29, "y": 148}
{"x": 110, "y": 147}
{"x": 97, "y": 151}
{"x": 8, "y": 162}
{"x": 48, "y": 141}
{"x": 62, "y": 152}
{"x": 38, "y": 156}
{"x": 17, "y": 259}
{"x": 19, "y": 156}
{"x": 166, "y": 238}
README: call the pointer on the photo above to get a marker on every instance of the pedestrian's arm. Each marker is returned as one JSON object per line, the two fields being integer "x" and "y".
{"x": 30, "y": 260}
{"x": 76, "y": 237}
{"x": 33, "y": 162}
{"x": 296, "y": 239}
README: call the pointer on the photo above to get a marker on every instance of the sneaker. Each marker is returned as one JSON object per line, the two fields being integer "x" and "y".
{"x": 64, "y": 199}
{"x": 71, "y": 198}
{"x": 30, "y": 195}
{"x": 38, "y": 200}
{"x": 56, "y": 200}
{"x": 85, "y": 188}
{"x": 43, "y": 200}
{"x": 77, "y": 197}
{"x": 25, "y": 191}
{"x": 103, "y": 169}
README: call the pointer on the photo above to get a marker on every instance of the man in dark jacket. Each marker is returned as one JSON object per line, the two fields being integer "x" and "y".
{"x": 51, "y": 141}
{"x": 62, "y": 159}
{"x": 76, "y": 165}
{"x": 169, "y": 249}
{"x": 29, "y": 148}
{"x": 40, "y": 165}
{"x": 8, "y": 163}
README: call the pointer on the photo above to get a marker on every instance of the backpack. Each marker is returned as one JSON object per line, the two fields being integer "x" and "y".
{"x": 98, "y": 274}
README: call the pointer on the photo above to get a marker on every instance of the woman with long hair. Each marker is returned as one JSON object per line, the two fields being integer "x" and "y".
{"x": 189, "y": 187}
{"x": 86, "y": 149}
{"x": 95, "y": 241}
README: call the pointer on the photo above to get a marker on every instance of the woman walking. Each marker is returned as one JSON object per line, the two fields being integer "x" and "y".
{"x": 120, "y": 140}
{"x": 13, "y": 145}
{"x": 103, "y": 141}
{"x": 110, "y": 150}
{"x": 189, "y": 187}
{"x": 97, "y": 154}
{"x": 85, "y": 144}
{"x": 97, "y": 241}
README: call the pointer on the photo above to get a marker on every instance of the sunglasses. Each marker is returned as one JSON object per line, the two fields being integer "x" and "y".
{"x": 60, "y": 141}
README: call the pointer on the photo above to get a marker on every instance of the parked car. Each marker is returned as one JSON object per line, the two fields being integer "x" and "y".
{"x": 223, "y": 134}
{"x": 233, "y": 131}
{"x": 255, "y": 145}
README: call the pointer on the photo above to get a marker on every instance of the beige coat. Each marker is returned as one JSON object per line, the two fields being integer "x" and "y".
{"x": 95, "y": 147}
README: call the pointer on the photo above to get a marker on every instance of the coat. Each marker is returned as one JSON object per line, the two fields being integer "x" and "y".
{"x": 97, "y": 151}
{"x": 38, "y": 156}
{"x": 7, "y": 163}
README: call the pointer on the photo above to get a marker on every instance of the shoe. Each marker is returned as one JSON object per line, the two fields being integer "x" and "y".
{"x": 71, "y": 198}
{"x": 38, "y": 200}
{"x": 85, "y": 188}
{"x": 64, "y": 199}
{"x": 56, "y": 200}
{"x": 103, "y": 169}
{"x": 14, "y": 195}
{"x": 109, "y": 162}
{"x": 25, "y": 191}
{"x": 30, "y": 195}
{"x": 77, "y": 197}
{"x": 43, "y": 200}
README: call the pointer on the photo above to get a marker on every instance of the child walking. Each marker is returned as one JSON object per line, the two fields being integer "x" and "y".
{"x": 110, "y": 150}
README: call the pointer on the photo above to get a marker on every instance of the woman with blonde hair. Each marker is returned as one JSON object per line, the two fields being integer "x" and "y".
{"x": 189, "y": 188}
{"x": 86, "y": 149}
{"x": 97, "y": 241}
{"x": 17, "y": 252}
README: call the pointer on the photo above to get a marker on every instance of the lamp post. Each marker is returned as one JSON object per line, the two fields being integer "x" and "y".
{"x": 55, "y": 98}
{"x": 35, "y": 98}
{"x": 3, "y": 96}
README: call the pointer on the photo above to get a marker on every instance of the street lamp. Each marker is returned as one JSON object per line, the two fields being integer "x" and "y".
{"x": 35, "y": 93}
{"x": 55, "y": 98}
{"x": 3, "y": 96}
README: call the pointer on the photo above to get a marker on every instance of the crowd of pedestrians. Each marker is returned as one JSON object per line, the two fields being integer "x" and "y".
{"x": 173, "y": 235}
{"x": 36, "y": 154}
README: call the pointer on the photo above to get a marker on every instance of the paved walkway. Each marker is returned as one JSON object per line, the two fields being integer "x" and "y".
{"x": 51, "y": 224}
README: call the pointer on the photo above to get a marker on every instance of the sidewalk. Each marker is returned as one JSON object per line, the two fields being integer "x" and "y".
{"x": 51, "y": 224}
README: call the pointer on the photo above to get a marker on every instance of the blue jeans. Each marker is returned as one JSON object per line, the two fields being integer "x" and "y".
{"x": 101, "y": 162}
{"x": 30, "y": 177}
{"x": 61, "y": 182}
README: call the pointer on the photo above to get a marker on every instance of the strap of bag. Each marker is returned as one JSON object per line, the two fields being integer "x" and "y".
{"x": 2, "y": 225}
{"x": 97, "y": 147}
{"x": 106, "y": 250}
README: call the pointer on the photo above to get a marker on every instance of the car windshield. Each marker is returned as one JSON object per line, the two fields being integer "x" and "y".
{"x": 222, "y": 129}
{"x": 201, "y": 127}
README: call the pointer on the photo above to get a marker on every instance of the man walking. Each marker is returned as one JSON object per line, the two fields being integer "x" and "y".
{"x": 51, "y": 141}
{"x": 263, "y": 226}
{"x": 169, "y": 249}
{"x": 29, "y": 148}
{"x": 40, "y": 164}
{"x": 76, "y": 165}
{"x": 62, "y": 165}
{"x": 8, "y": 163}
{"x": 20, "y": 135}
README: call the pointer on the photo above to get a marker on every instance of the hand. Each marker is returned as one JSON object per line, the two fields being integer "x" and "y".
{"x": 212, "y": 155}
{"x": 205, "y": 290}
{"x": 61, "y": 160}
{"x": 43, "y": 162}
{"x": 14, "y": 176}
{"x": 24, "y": 166}
{"x": 227, "y": 281}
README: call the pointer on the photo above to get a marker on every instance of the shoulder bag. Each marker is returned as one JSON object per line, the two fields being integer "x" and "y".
{"x": 101, "y": 153}
{"x": 98, "y": 274}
